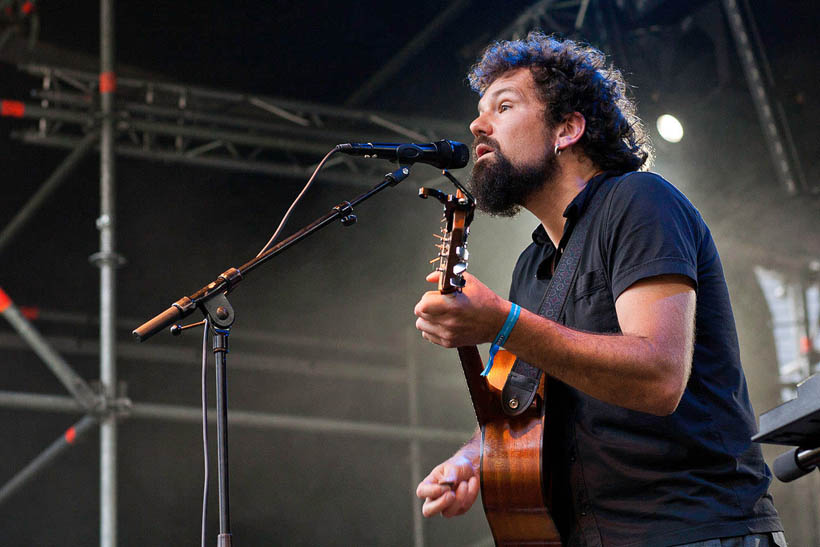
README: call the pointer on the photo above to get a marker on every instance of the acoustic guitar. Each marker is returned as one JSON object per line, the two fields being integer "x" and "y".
{"x": 515, "y": 489}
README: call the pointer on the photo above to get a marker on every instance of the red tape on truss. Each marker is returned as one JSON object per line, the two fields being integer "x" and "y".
{"x": 805, "y": 345}
{"x": 108, "y": 82}
{"x": 30, "y": 312}
{"x": 70, "y": 435}
{"x": 15, "y": 109}
{"x": 5, "y": 301}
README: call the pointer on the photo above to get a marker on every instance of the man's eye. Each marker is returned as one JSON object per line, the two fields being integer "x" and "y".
{"x": 504, "y": 107}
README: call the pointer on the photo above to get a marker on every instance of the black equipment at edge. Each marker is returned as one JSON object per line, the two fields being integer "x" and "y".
{"x": 795, "y": 463}
{"x": 443, "y": 154}
{"x": 795, "y": 423}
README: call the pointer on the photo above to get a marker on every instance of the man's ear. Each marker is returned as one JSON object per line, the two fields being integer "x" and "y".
{"x": 570, "y": 130}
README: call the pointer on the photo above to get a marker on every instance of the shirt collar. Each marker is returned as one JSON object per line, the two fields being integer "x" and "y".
{"x": 575, "y": 208}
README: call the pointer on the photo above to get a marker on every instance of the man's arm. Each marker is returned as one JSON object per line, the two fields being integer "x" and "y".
{"x": 645, "y": 368}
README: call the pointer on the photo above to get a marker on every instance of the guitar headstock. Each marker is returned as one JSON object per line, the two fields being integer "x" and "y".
{"x": 452, "y": 241}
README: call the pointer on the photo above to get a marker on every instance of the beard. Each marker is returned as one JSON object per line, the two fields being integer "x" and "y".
{"x": 501, "y": 189}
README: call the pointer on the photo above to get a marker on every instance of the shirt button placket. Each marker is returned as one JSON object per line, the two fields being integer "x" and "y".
{"x": 583, "y": 509}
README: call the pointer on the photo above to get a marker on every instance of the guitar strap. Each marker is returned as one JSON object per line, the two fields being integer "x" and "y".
{"x": 523, "y": 380}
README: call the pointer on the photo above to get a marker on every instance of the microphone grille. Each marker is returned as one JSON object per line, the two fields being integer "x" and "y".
{"x": 454, "y": 155}
{"x": 461, "y": 154}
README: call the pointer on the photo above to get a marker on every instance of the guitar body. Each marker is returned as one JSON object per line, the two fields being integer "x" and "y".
{"x": 514, "y": 487}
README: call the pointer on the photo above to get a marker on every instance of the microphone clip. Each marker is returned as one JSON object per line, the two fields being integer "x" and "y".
{"x": 345, "y": 211}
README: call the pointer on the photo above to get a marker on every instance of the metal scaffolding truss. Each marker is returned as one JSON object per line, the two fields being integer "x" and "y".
{"x": 170, "y": 122}
{"x": 77, "y": 110}
{"x": 562, "y": 16}
{"x": 97, "y": 405}
{"x": 138, "y": 118}
{"x": 567, "y": 17}
{"x": 18, "y": 17}
{"x": 773, "y": 121}
{"x": 199, "y": 126}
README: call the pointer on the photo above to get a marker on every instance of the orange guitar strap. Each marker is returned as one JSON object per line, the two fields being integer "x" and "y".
{"x": 523, "y": 381}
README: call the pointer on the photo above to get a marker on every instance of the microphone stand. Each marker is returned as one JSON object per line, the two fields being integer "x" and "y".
{"x": 213, "y": 302}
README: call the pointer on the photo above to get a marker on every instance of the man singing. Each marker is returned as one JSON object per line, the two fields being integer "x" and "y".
{"x": 649, "y": 414}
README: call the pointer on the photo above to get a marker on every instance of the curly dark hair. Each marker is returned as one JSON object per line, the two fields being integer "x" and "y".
{"x": 572, "y": 77}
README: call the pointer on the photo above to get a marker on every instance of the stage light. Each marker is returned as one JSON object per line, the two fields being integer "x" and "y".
{"x": 670, "y": 128}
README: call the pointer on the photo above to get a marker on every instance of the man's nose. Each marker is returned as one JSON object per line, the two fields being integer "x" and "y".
{"x": 480, "y": 126}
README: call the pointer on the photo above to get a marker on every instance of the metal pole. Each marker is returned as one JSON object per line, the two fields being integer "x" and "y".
{"x": 220, "y": 344}
{"x": 64, "y": 442}
{"x": 243, "y": 418}
{"x": 106, "y": 260}
{"x": 756, "y": 81}
{"x": 582, "y": 12}
{"x": 72, "y": 381}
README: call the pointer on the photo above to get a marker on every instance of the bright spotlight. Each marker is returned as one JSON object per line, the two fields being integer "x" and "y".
{"x": 670, "y": 128}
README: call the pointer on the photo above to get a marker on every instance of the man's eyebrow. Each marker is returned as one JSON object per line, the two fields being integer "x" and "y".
{"x": 499, "y": 91}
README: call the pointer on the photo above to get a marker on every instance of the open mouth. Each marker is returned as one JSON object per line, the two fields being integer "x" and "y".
{"x": 482, "y": 150}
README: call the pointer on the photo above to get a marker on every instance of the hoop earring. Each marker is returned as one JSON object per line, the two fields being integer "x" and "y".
{"x": 557, "y": 151}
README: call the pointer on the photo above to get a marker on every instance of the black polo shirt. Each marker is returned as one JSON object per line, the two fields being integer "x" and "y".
{"x": 623, "y": 477}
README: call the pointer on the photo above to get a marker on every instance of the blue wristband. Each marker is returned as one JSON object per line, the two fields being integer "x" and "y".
{"x": 502, "y": 336}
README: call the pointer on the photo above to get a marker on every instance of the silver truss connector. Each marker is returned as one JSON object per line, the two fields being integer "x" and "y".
{"x": 101, "y": 259}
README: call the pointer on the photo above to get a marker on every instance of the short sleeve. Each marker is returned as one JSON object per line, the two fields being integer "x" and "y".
{"x": 651, "y": 229}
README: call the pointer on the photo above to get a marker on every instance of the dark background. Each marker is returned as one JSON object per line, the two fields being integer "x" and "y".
{"x": 346, "y": 295}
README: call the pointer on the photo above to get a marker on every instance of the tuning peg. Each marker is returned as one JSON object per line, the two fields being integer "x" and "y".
{"x": 460, "y": 268}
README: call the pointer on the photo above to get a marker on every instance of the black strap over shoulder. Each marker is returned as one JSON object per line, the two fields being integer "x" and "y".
{"x": 523, "y": 380}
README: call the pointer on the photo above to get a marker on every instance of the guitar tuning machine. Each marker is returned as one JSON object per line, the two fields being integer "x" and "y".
{"x": 424, "y": 193}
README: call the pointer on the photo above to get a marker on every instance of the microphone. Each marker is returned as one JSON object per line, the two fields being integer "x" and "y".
{"x": 442, "y": 154}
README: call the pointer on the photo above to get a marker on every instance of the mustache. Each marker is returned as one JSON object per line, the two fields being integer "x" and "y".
{"x": 484, "y": 139}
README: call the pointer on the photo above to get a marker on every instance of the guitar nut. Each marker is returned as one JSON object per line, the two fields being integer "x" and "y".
{"x": 513, "y": 403}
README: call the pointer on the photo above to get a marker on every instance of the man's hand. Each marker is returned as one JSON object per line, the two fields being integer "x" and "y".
{"x": 473, "y": 316}
{"x": 451, "y": 488}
